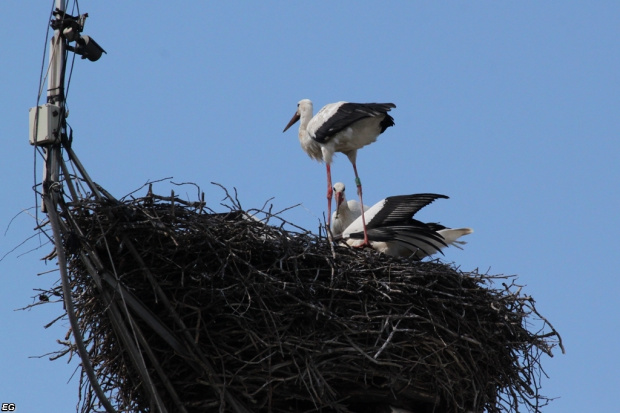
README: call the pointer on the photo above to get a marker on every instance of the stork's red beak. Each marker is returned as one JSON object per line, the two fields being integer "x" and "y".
{"x": 338, "y": 196}
{"x": 294, "y": 119}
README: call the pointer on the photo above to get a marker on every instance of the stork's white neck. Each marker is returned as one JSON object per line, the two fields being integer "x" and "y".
{"x": 305, "y": 114}
{"x": 312, "y": 148}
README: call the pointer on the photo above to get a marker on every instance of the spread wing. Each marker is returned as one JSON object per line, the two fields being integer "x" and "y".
{"x": 399, "y": 209}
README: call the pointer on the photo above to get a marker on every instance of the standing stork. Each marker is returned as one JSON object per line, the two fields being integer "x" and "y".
{"x": 340, "y": 127}
{"x": 392, "y": 229}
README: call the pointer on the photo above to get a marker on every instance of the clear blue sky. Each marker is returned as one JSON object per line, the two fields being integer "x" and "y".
{"x": 510, "y": 108}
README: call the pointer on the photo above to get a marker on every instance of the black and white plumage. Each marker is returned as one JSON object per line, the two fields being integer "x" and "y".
{"x": 340, "y": 127}
{"x": 392, "y": 229}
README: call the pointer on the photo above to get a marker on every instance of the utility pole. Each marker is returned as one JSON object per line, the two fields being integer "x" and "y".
{"x": 55, "y": 97}
{"x": 47, "y": 122}
{"x": 48, "y": 130}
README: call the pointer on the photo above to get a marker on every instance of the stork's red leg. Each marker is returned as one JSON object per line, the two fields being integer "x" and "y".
{"x": 359, "y": 193}
{"x": 329, "y": 196}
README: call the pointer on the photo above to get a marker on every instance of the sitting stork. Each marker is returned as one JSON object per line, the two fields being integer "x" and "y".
{"x": 346, "y": 211}
{"x": 392, "y": 230}
{"x": 340, "y": 127}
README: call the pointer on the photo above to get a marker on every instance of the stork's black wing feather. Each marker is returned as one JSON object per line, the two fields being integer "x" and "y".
{"x": 401, "y": 208}
{"x": 349, "y": 113}
{"x": 416, "y": 234}
{"x": 386, "y": 234}
{"x": 435, "y": 226}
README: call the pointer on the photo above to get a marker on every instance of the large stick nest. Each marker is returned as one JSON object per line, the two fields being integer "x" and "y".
{"x": 245, "y": 315}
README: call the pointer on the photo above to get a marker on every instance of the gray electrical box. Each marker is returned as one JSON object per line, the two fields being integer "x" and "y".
{"x": 44, "y": 127}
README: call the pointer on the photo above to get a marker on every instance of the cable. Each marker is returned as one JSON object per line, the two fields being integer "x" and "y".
{"x": 66, "y": 290}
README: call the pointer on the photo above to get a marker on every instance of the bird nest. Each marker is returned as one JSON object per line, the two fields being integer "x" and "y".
{"x": 186, "y": 309}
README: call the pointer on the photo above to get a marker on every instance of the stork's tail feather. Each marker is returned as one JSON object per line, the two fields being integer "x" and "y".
{"x": 387, "y": 122}
{"x": 451, "y": 235}
{"x": 458, "y": 244}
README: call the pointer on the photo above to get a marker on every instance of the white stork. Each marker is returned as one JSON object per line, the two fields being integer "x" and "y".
{"x": 392, "y": 230}
{"x": 340, "y": 127}
{"x": 346, "y": 211}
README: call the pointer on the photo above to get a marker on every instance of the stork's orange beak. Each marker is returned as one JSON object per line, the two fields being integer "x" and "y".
{"x": 338, "y": 196}
{"x": 294, "y": 119}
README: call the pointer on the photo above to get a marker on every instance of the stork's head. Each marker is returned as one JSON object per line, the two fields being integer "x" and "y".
{"x": 339, "y": 195}
{"x": 304, "y": 107}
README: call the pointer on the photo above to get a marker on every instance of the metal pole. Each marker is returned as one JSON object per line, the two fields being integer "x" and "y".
{"x": 51, "y": 193}
{"x": 56, "y": 96}
{"x": 55, "y": 90}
